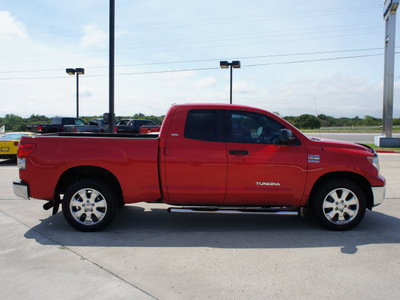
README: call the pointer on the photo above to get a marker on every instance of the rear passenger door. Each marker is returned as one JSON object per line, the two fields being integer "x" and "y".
{"x": 195, "y": 158}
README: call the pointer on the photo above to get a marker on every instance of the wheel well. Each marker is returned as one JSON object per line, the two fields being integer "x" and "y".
{"x": 74, "y": 174}
{"x": 361, "y": 181}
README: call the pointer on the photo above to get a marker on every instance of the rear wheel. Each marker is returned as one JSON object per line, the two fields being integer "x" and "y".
{"x": 89, "y": 204}
{"x": 339, "y": 204}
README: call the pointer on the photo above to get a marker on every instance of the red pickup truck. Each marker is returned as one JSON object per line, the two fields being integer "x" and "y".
{"x": 207, "y": 157}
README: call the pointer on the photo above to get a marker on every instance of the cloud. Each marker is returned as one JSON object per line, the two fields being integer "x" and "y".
{"x": 10, "y": 28}
{"x": 208, "y": 82}
{"x": 86, "y": 93}
{"x": 243, "y": 87}
{"x": 93, "y": 36}
{"x": 174, "y": 78}
{"x": 336, "y": 95}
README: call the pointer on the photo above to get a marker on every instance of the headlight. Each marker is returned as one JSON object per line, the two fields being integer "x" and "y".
{"x": 374, "y": 161}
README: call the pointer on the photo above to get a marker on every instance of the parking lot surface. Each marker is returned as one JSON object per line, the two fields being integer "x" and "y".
{"x": 147, "y": 253}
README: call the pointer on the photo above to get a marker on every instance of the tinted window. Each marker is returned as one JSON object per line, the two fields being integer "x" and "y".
{"x": 56, "y": 121}
{"x": 79, "y": 122}
{"x": 202, "y": 125}
{"x": 69, "y": 121}
{"x": 144, "y": 122}
{"x": 249, "y": 127}
{"x": 123, "y": 122}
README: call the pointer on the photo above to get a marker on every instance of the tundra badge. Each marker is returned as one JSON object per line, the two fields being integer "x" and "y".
{"x": 268, "y": 183}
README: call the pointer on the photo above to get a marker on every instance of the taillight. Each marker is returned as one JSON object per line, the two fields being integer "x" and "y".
{"x": 74, "y": 129}
{"x": 39, "y": 128}
{"x": 115, "y": 129}
{"x": 24, "y": 150}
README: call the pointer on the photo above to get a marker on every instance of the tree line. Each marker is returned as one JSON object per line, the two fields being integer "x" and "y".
{"x": 305, "y": 121}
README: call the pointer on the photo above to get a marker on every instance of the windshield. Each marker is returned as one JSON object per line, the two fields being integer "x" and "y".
{"x": 12, "y": 136}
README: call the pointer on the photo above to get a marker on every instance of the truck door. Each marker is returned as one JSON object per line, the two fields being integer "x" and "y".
{"x": 261, "y": 171}
{"x": 195, "y": 158}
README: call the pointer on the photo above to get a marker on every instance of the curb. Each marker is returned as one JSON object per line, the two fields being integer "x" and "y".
{"x": 388, "y": 151}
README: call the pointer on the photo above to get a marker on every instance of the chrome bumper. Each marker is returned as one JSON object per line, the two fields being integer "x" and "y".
{"x": 21, "y": 189}
{"x": 379, "y": 194}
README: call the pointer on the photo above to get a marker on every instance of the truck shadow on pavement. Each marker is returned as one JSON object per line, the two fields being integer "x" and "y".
{"x": 136, "y": 227}
{"x": 8, "y": 162}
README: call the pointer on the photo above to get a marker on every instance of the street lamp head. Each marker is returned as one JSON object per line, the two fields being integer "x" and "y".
{"x": 236, "y": 64}
{"x": 80, "y": 71}
{"x": 70, "y": 71}
{"x": 224, "y": 64}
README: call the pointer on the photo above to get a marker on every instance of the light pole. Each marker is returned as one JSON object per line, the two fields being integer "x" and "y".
{"x": 225, "y": 65}
{"x": 77, "y": 71}
{"x": 111, "y": 67}
{"x": 389, "y": 15}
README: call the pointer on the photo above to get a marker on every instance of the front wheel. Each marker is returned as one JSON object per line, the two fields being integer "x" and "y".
{"x": 339, "y": 204}
{"x": 89, "y": 205}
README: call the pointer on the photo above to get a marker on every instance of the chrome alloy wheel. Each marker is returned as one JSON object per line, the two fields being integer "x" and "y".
{"x": 88, "y": 206}
{"x": 341, "y": 206}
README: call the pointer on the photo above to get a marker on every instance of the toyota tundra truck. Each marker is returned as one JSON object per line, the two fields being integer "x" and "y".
{"x": 207, "y": 157}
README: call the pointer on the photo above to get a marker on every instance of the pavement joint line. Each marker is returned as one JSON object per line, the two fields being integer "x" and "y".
{"x": 79, "y": 255}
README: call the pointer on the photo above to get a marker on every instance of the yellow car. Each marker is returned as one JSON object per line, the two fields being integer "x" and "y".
{"x": 9, "y": 144}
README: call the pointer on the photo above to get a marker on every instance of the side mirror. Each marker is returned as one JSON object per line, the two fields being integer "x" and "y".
{"x": 286, "y": 137}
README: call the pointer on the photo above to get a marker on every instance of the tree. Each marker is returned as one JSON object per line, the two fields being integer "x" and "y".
{"x": 289, "y": 119}
{"x": 38, "y": 119}
{"x": 15, "y": 123}
{"x": 307, "y": 121}
{"x": 370, "y": 121}
{"x": 327, "y": 121}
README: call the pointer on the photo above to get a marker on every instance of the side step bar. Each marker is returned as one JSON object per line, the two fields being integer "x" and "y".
{"x": 238, "y": 210}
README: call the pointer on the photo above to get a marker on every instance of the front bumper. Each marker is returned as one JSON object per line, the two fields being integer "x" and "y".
{"x": 379, "y": 194}
{"x": 21, "y": 189}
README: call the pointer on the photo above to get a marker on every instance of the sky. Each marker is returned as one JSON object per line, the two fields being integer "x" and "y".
{"x": 316, "y": 57}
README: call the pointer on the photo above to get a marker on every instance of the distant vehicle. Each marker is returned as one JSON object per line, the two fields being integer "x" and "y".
{"x": 9, "y": 144}
{"x": 98, "y": 122}
{"x": 95, "y": 125}
{"x": 137, "y": 126}
{"x": 57, "y": 125}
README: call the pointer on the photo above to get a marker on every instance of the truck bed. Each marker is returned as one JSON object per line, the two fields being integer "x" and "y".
{"x": 131, "y": 159}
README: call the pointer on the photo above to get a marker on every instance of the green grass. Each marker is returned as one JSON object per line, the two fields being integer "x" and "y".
{"x": 382, "y": 148}
{"x": 348, "y": 129}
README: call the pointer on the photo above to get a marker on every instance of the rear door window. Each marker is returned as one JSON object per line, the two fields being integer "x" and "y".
{"x": 202, "y": 125}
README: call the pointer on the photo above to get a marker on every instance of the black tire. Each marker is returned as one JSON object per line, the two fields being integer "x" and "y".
{"x": 89, "y": 204}
{"x": 339, "y": 204}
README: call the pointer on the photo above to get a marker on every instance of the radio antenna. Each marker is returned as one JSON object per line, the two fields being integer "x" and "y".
{"x": 316, "y": 114}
